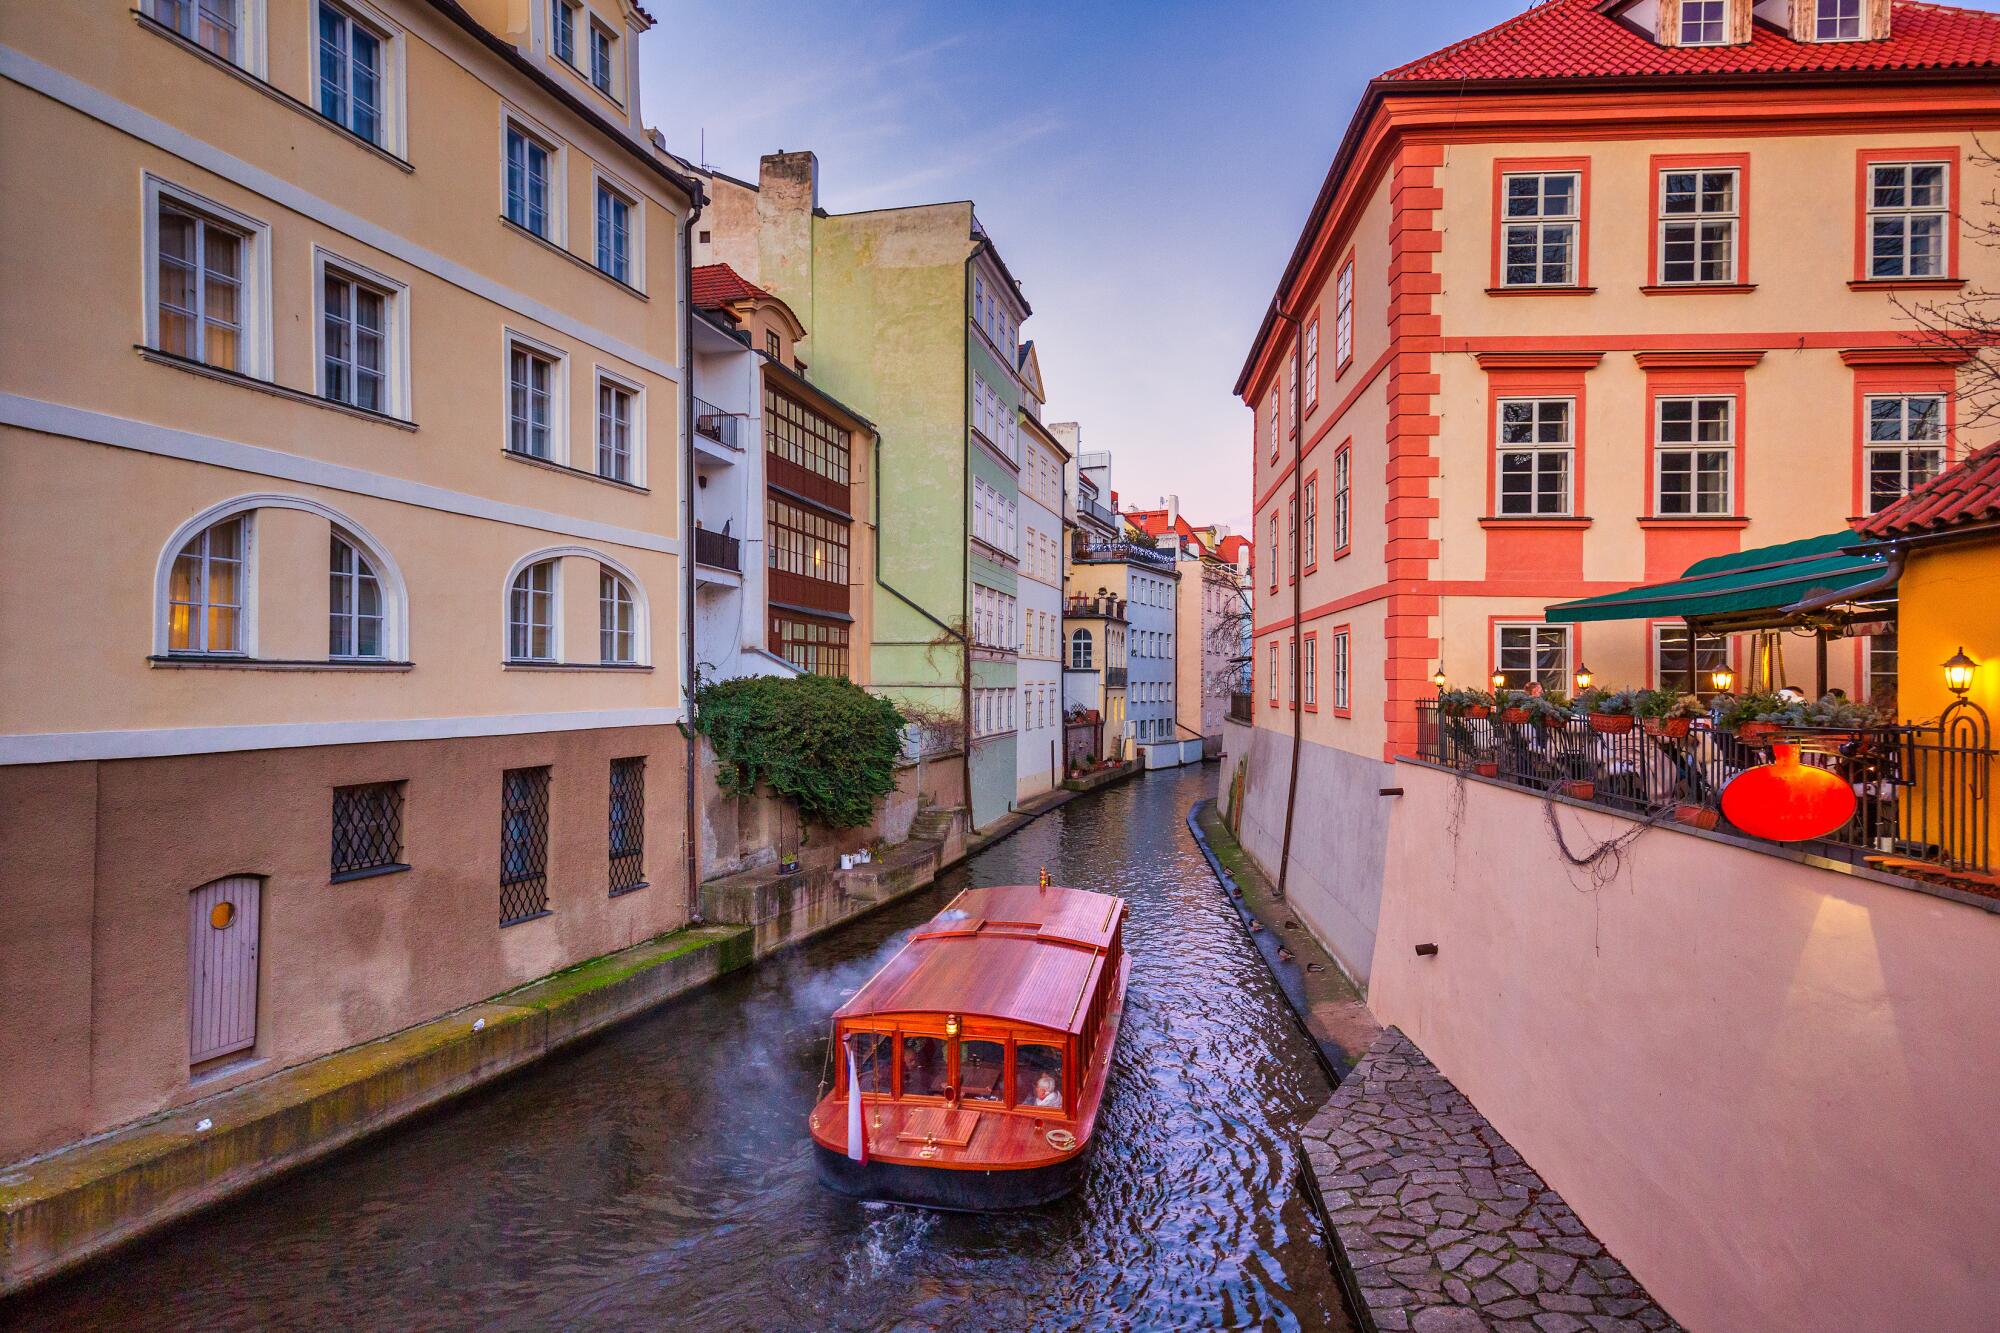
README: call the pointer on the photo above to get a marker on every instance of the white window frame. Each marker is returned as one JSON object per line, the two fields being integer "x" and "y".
{"x": 1695, "y": 447}
{"x": 557, "y": 204}
{"x": 1343, "y": 500}
{"x": 1904, "y": 446}
{"x": 1342, "y": 673}
{"x": 555, "y": 623}
{"x": 395, "y": 326}
{"x": 1674, "y": 637}
{"x": 635, "y": 228}
{"x": 1820, "y": 20}
{"x": 612, "y": 59}
{"x": 1721, "y": 20}
{"x": 1907, "y": 213}
{"x": 636, "y": 456}
{"x": 1536, "y": 450}
{"x": 1701, "y": 219}
{"x": 255, "y": 322}
{"x": 362, "y": 557}
{"x": 246, "y": 596}
{"x": 1541, "y": 223}
{"x": 1560, "y": 679}
{"x": 607, "y": 575}
{"x": 1273, "y": 413}
{"x": 1309, "y": 668}
{"x": 558, "y": 11}
{"x": 1310, "y": 535}
{"x": 558, "y": 397}
{"x": 1312, "y": 361}
{"x": 249, "y": 55}
{"x": 1343, "y": 317}
{"x": 392, "y": 105}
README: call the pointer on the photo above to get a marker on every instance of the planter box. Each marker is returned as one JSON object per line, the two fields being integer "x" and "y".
{"x": 1611, "y": 724}
{"x": 1673, "y": 728}
{"x": 1580, "y": 791}
{"x": 1487, "y": 768}
{"x": 1756, "y": 731}
{"x": 1514, "y": 716}
{"x": 1697, "y": 816}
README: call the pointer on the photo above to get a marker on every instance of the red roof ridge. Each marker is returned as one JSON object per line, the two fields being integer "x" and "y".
{"x": 713, "y": 285}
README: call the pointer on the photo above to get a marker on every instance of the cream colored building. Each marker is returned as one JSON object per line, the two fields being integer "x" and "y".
{"x": 340, "y": 471}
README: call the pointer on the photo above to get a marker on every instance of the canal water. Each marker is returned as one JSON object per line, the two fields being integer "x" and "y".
{"x": 660, "y": 1177}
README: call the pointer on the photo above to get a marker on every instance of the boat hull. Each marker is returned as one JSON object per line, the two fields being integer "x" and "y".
{"x": 968, "y": 1190}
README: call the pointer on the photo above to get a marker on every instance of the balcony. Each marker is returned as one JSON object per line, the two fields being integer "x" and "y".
{"x": 725, "y": 428}
{"x": 1106, "y": 607}
{"x": 1923, "y": 791}
{"x": 714, "y": 550}
{"x": 1240, "y": 707}
{"x": 1091, "y": 511}
{"x": 1114, "y": 678}
{"x": 1089, "y": 552}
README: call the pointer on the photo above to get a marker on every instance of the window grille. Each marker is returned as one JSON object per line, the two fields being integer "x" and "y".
{"x": 628, "y": 825}
{"x": 524, "y": 844}
{"x": 367, "y": 829}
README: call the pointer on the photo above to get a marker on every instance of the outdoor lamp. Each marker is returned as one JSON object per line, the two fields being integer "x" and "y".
{"x": 1958, "y": 673}
{"x": 1583, "y": 678}
{"x": 1722, "y": 678}
{"x": 951, "y": 1025}
{"x": 1499, "y": 680}
{"x": 1437, "y": 678}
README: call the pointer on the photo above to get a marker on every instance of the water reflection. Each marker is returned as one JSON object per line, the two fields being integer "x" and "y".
{"x": 661, "y": 1178}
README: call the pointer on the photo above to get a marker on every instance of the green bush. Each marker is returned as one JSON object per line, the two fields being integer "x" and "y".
{"x": 824, "y": 743}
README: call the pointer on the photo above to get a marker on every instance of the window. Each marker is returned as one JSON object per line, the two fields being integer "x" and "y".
{"x": 617, "y": 621}
{"x": 1038, "y": 1077}
{"x": 980, "y": 1067}
{"x": 628, "y": 825}
{"x": 201, "y": 275}
{"x": 1292, "y": 671}
{"x": 600, "y": 59}
{"x": 1311, "y": 535}
{"x": 1082, "y": 651}
{"x": 215, "y": 25}
{"x": 1292, "y": 529}
{"x": 1342, "y": 697}
{"x": 1536, "y": 449}
{"x": 805, "y": 542}
{"x": 1695, "y": 458}
{"x": 1342, "y": 502}
{"x": 614, "y": 233}
{"x": 531, "y": 391}
{"x": 524, "y": 844}
{"x": 616, "y": 404}
{"x": 1837, "y": 21}
{"x": 1698, "y": 227}
{"x": 1524, "y": 653}
{"x": 1309, "y": 668}
{"x": 817, "y": 647}
{"x": 1538, "y": 237}
{"x": 1274, "y": 673}
{"x": 350, "y": 73}
{"x": 774, "y": 346}
{"x": 1880, "y": 669}
{"x": 805, "y": 438}
{"x": 1274, "y": 553}
{"x": 1906, "y": 439}
{"x": 1312, "y": 364}
{"x": 1909, "y": 219}
{"x": 528, "y": 182}
{"x": 354, "y": 340}
{"x": 367, "y": 830}
{"x": 1343, "y": 319}
{"x": 1271, "y": 417}
{"x": 205, "y": 591}
{"x": 531, "y": 614}
{"x": 1670, "y": 657}
{"x": 1704, "y": 22}
{"x": 562, "y": 39}
{"x": 924, "y": 1070}
{"x": 355, "y": 617}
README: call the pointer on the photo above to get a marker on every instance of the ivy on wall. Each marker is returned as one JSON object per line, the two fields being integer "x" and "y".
{"x": 824, "y": 743}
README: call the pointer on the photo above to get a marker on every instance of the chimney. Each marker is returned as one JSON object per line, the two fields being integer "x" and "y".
{"x": 1173, "y": 510}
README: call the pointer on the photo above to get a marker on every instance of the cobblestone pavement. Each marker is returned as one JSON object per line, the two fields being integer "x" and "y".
{"x": 1445, "y": 1228}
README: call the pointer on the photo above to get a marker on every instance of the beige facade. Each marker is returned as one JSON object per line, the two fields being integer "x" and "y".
{"x": 267, "y": 325}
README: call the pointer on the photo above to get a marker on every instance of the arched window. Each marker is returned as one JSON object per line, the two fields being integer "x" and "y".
{"x": 617, "y": 619}
{"x": 1081, "y": 651}
{"x": 355, "y": 609}
{"x": 531, "y": 614}
{"x": 205, "y": 591}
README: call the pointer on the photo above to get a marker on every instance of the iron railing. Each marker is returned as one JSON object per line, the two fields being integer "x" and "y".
{"x": 524, "y": 844}
{"x": 1241, "y": 706}
{"x": 1092, "y": 509}
{"x": 718, "y": 425}
{"x": 1114, "y": 677}
{"x": 717, "y": 551}
{"x": 1123, "y": 550}
{"x": 1923, "y": 791}
{"x": 628, "y": 825}
{"x": 367, "y": 829}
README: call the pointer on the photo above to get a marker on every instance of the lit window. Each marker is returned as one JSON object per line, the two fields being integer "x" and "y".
{"x": 213, "y": 24}
{"x": 527, "y": 182}
{"x": 354, "y": 342}
{"x": 1704, "y": 22}
{"x": 1343, "y": 320}
{"x": 350, "y": 73}
{"x": 614, "y": 431}
{"x": 1695, "y": 461}
{"x": 530, "y": 402}
{"x": 201, "y": 288}
{"x": 614, "y": 233}
{"x": 1524, "y": 653}
{"x": 531, "y": 614}
{"x": 1909, "y": 217}
{"x": 1837, "y": 21}
{"x": 1538, "y": 237}
{"x": 1670, "y": 658}
{"x": 355, "y": 616}
{"x": 205, "y": 591}
{"x": 616, "y": 620}
{"x": 1905, "y": 446}
{"x": 600, "y": 59}
{"x": 1698, "y": 221}
{"x": 1536, "y": 449}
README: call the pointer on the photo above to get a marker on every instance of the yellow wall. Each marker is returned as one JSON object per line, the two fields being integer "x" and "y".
{"x": 1948, "y": 601}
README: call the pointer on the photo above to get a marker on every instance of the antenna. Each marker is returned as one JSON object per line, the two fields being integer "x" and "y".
{"x": 704, "y": 148}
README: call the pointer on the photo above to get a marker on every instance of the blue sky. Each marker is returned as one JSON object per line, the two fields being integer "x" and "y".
{"x": 1143, "y": 167}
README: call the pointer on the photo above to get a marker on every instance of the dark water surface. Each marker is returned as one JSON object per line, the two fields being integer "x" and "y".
{"x": 660, "y": 1177}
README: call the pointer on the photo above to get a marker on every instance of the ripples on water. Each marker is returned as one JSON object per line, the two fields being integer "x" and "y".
{"x": 660, "y": 1177}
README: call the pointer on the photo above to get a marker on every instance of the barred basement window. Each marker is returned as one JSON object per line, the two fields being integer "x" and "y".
{"x": 524, "y": 844}
{"x": 628, "y": 825}
{"x": 367, "y": 830}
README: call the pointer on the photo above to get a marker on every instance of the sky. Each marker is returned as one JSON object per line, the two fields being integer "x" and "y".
{"x": 1143, "y": 167}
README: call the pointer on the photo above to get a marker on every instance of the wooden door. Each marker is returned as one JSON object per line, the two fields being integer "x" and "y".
{"x": 222, "y": 967}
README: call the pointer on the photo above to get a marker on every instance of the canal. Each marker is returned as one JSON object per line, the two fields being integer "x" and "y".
{"x": 660, "y": 1176}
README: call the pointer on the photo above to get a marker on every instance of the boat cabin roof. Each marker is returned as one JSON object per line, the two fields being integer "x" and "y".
{"x": 1020, "y": 953}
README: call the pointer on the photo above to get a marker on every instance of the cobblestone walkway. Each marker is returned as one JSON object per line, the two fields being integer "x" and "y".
{"x": 1445, "y": 1228}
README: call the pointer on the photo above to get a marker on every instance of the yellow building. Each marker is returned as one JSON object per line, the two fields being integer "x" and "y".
{"x": 340, "y": 470}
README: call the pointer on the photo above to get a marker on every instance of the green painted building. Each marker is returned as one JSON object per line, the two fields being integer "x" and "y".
{"x": 913, "y": 319}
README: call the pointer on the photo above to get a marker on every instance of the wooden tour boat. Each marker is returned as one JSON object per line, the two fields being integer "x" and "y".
{"x": 968, "y": 1073}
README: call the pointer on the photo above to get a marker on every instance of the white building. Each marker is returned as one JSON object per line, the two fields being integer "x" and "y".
{"x": 1039, "y": 752}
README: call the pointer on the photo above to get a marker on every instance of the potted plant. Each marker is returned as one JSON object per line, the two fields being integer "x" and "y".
{"x": 1486, "y": 768}
{"x": 1513, "y": 706}
{"x": 1547, "y": 711}
{"x": 1747, "y": 715}
{"x": 1465, "y": 703}
{"x": 1831, "y": 713}
{"x": 788, "y": 864}
{"x": 1697, "y": 816}
{"x": 1668, "y": 713}
{"x": 1611, "y": 713}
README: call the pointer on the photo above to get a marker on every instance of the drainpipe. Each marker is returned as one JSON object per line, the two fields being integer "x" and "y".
{"x": 1298, "y": 582}
{"x": 689, "y": 658}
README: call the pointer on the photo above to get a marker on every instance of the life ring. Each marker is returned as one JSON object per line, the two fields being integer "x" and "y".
{"x": 1060, "y": 1139}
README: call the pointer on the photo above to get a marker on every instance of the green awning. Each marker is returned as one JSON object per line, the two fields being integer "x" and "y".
{"x": 1738, "y": 587}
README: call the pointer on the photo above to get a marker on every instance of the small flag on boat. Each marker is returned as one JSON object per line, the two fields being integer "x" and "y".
{"x": 857, "y": 1142}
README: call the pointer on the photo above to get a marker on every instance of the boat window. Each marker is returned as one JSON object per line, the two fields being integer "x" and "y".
{"x": 923, "y": 1067}
{"x": 980, "y": 1065}
{"x": 874, "y": 1059}
{"x": 1038, "y": 1076}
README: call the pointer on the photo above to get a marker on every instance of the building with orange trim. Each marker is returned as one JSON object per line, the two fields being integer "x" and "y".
{"x": 1607, "y": 289}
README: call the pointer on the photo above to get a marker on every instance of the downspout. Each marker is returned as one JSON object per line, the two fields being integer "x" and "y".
{"x": 690, "y": 657}
{"x": 1298, "y": 583}
{"x": 965, "y": 519}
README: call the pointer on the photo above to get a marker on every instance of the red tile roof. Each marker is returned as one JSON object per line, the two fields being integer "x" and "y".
{"x": 1962, "y": 495}
{"x": 1232, "y": 544}
{"x": 1570, "y": 39}
{"x": 712, "y": 286}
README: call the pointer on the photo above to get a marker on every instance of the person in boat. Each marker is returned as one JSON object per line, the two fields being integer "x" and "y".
{"x": 1046, "y": 1093}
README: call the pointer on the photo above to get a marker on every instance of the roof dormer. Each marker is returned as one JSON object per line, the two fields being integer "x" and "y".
{"x": 1828, "y": 20}
{"x": 1704, "y": 22}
